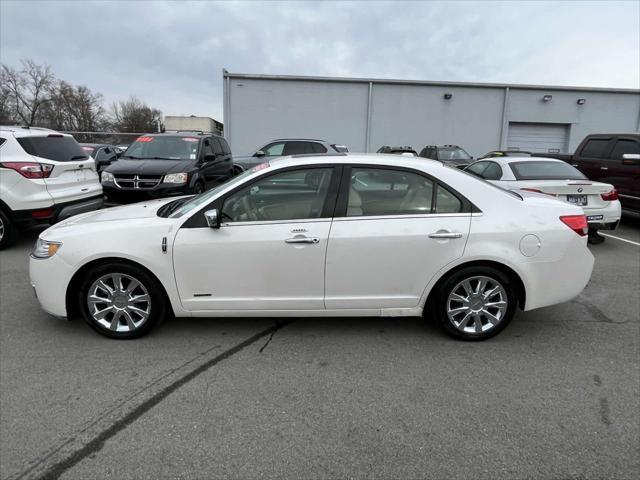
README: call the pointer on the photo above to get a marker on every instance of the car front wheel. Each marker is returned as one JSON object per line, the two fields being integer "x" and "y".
{"x": 6, "y": 231}
{"x": 121, "y": 301}
{"x": 475, "y": 303}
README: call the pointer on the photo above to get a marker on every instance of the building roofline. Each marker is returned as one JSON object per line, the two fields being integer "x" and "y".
{"x": 227, "y": 74}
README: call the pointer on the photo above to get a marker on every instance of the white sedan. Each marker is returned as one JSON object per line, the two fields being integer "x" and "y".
{"x": 342, "y": 235}
{"x": 556, "y": 178}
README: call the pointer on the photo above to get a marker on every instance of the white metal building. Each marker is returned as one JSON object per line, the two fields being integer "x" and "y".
{"x": 365, "y": 114}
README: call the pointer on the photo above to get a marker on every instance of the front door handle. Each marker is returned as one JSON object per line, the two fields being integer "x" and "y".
{"x": 441, "y": 234}
{"x": 302, "y": 240}
{"x": 604, "y": 168}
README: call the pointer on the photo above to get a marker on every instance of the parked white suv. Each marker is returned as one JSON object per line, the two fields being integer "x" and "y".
{"x": 45, "y": 176}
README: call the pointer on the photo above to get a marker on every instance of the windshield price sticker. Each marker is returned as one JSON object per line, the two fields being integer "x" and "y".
{"x": 144, "y": 139}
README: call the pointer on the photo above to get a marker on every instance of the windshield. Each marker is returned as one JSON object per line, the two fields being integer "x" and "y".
{"x": 207, "y": 196}
{"x": 545, "y": 171}
{"x": 163, "y": 147}
{"x": 453, "y": 154}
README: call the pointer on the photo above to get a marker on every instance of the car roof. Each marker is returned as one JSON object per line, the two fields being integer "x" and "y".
{"x": 382, "y": 159}
{"x": 507, "y": 160}
{"x": 96, "y": 145}
{"x": 297, "y": 140}
{"x": 20, "y": 131}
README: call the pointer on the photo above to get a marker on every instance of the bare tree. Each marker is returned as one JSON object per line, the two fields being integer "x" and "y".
{"x": 133, "y": 115}
{"x": 74, "y": 109}
{"x": 27, "y": 89}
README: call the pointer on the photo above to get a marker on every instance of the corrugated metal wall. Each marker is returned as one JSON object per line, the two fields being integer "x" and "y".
{"x": 366, "y": 114}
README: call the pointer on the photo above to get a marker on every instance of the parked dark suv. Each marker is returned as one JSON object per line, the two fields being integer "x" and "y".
{"x": 451, "y": 155}
{"x": 159, "y": 165}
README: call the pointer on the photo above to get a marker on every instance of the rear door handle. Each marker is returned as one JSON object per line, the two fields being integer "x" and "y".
{"x": 440, "y": 234}
{"x": 604, "y": 168}
{"x": 302, "y": 240}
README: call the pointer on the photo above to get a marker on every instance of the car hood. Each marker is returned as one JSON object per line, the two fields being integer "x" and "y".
{"x": 150, "y": 167}
{"x": 136, "y": 211}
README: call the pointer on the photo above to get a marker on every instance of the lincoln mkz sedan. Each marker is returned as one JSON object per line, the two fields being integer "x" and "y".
{"x": 328, "y": 235}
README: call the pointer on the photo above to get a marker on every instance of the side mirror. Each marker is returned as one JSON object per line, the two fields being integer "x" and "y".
{"x": 259, "y": 153}
{"x": 631, "y": 158}
{"x": 209, "y": 157}
{"x": 212, "y": 218}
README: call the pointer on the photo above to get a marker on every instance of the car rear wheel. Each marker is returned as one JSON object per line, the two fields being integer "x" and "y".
{"x": 7, "y": 231}
{"x": 121, "y": 301}
{"x": 237, "y": 170}
{"x": 475, "y": 303}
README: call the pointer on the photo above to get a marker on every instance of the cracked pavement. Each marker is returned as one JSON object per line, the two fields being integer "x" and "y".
{"x": 556, "y": 395}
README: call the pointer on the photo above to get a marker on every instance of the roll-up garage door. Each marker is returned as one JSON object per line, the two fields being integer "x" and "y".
{"x": 538, "y": 137}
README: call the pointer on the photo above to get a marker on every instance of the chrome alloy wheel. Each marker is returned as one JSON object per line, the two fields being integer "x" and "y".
{"x": 119, "y": 302}
{"x": 477, "y": 304}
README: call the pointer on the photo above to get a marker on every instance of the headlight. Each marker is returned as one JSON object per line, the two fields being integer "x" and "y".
{"x": 45, "y": 248}
{"x": 176, "y": 178}
{"x": 106, "y": 177}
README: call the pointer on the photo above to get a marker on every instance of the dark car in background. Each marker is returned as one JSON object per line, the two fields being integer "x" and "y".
{"x": 163, "y": 164}
{"x": 406, "y": 150}
{"x": 451, "y": 155}
{"x": 283, "y": 147}
{"x": 610, "y": 158}
{"x": 103, "y": 154}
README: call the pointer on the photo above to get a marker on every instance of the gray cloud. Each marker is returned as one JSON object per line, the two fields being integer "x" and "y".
{"x": 171, "y": 54}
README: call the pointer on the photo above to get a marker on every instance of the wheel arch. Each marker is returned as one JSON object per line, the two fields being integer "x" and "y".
{"x": 71, "y": 297}
{"x": 507, "y": 270}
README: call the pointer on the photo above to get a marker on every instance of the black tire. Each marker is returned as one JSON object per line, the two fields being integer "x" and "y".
{"x": 198, "y": 188}
{"x": 237, "y": 170}
{"x": 451, "y": 284}
{"x": 595, "y": 238}
{"x": 7, "y": 231}
{"x": 157, "y": 305}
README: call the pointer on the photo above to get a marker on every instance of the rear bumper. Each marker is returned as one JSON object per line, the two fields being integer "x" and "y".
{"x": 56, "y": 212}
{"x": 604, "y": 218}
{"x": 560, "y": 280}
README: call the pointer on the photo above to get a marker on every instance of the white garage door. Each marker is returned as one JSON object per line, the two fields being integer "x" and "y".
{"x": 538, "y": 137}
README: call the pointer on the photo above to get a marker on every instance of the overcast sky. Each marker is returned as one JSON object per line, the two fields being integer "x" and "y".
{"x": 171, "y": 54}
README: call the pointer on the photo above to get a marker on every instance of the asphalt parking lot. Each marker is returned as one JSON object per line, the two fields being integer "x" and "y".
{"x": 556, "y": 395}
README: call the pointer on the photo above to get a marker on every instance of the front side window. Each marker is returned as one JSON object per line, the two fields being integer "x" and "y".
{"x": 376, "y": 191}
{"x": 217, "y": 148}
{"x": 274, "y": 150}
{"x": 291, "y": 195}
{"x": 225, "y": 146}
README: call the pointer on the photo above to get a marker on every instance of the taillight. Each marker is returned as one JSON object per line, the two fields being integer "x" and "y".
{"x": 46, "y": 213}
{"x": 577, "y": 223}
{"x": 610, "y": 196}
{"x": 535, "y": 190}
{"x": 30, "y": 169}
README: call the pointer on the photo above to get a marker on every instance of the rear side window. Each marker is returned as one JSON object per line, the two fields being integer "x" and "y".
{"x": 545, "y": 171}
{"x": 493, "y": 171}
{"x": 318, "y": 148}
{"x": 297, "y": 148}
{"x": 447, "y": 202}
{"x": 624, "y": 146}
{"x": 477, "y": 168}
{"x": 2, "y": 140}
{"x": 595, "y": 148}
{"x": 225, "y": 146}
{"x": 376, "y": 191}
{"x": 217, "y": 148}
{"x": 58, "y": 148}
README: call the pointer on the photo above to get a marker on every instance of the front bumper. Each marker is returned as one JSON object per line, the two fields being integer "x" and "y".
{"x": 161, "y": 190}
{"x": 49, "y": 278}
